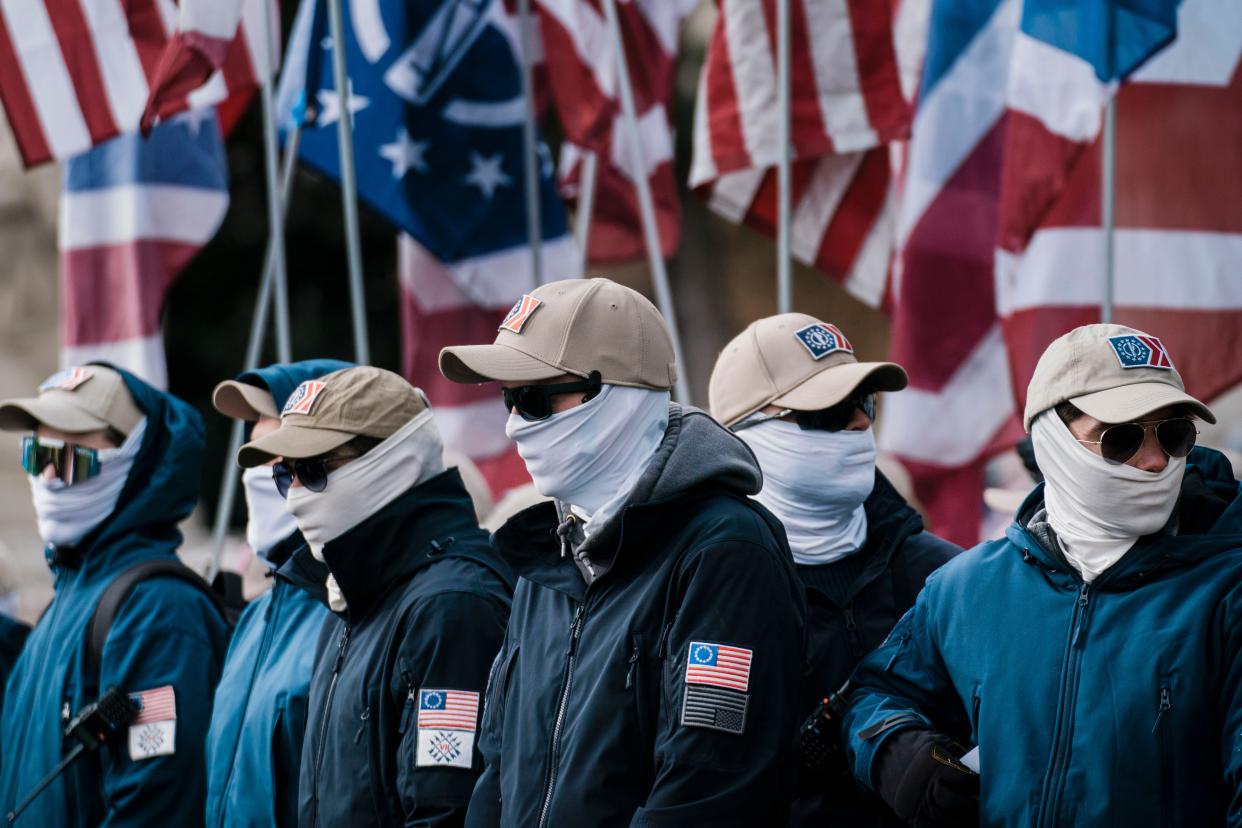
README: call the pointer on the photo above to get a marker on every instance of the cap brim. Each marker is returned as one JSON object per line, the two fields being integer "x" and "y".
{"x": 493, "y": 363}
{"x": 827, "y": 388}
{"x": 27, "y": 414}
{"x": 1130, "y": 402}
{"x": 243, "y": 401}
{"x": 291, "y": 441}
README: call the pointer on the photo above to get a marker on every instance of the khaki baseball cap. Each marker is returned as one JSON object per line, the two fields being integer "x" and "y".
{"x": 574, "y": 326}
{"x": 243, "y": 401}
{"x": 75, "y": 400}
{"x": 794, "y": 361}
{"x": 1113, "y": 373}
{"x": 328, "y": 412}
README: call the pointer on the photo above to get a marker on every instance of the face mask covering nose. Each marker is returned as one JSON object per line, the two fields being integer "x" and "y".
{"x": 268, "y": 519}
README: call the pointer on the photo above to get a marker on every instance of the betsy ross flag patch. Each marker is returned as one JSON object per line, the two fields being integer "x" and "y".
{"x": 820, "y": 340}
{"x": 154, "y": 731}
{"x": 447, "y": 721}
{"x": 520, "y": 313}
{"x": 717, "y": 685}
{"x": 1140, "y": 352}
{"x": 302, "y": 400}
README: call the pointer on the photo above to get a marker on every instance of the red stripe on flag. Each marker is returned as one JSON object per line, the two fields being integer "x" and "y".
{"x": 78, "y": 50}
{"x": 146, "y": 27}
{"x": 724, "y": 118}
{"x": 18, "y": 105}
{"x": 117, "y": 292}
{"x": 876, "y": 59}
{"x": 857, "y": 213}
{"x": 809, "y": 133}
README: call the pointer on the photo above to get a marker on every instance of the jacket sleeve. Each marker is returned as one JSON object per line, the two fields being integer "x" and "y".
{"x": 903, "y": 684}
{"x": 722, "y": 748}
{"x": 166, "y": 635}
{"x": 1231, "y": 704}
{"x": 451, "y": 640}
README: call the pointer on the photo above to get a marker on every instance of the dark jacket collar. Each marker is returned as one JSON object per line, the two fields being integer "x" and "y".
{"x": 417, "y": 528}
{"x": 300, "y": 568}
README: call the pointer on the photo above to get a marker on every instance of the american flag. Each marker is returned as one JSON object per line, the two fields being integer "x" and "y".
{"x": 1001, "y": 242}
{"x": 155, "y": 705}
{"x": 449, "y": 709}
{"x": 718, "y": 664}
{"x": 76, "y": 73}
{"x": 132, "y": 214}
{"x": 847, "y": 104}
{"x": 582, "y": 76}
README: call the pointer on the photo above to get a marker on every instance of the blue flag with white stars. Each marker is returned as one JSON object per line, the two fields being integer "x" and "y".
{"x": 435, "y": 95}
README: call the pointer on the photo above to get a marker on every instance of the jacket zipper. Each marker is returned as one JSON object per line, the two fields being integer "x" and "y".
{"x": 575, "y": 632}
{"x": 1055, "y": 776}
{"x": 1162, "y": 745}
{"x": 323, "y": 722}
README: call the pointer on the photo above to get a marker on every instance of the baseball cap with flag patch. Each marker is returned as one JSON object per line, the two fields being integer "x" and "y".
{"x": 574, "y": 326}
{"x": 792, "y": 360}
{"x": 1113, "y": 373}
{"x": 75, "y": 400}
{"x": 328, "y": 412}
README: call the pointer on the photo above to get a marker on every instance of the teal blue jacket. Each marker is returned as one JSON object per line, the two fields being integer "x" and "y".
{"x": 1116, "y": 703}
{"x": 166, "y": 633}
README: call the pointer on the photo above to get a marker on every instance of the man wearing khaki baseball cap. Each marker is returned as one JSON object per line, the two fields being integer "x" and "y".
{"x": 649, "y": 585}
{"x": 419, "y": 600}
{"x": 791, "y": 387}
{"x": 1094, "y": 654}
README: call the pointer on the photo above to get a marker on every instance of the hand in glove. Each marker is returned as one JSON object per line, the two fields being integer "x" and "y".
{"x": 918, "y": 774}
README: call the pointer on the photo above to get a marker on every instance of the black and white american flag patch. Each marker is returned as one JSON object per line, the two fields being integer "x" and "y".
{"x": 718, "y": 708}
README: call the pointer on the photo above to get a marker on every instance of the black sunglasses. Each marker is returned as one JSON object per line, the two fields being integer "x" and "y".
{"x": 1118, "y": 443}
{"x": 311, "y": 472}
{"x": 534, "y": 402}
{"x": 834, "y": 418}
{"x": 71, "y": 463}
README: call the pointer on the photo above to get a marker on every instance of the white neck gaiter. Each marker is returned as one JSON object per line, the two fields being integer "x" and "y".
{"x": 1098, "y": 510}
{"x": 268, "y": 520}
{"x": 816, "y": 482}
{"x": 363, "y": 487}
{"x": 66, "y": 514}
{"x": 591, "y": 456}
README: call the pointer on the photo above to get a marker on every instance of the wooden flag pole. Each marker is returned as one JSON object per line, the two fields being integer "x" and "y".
{"x": 646, "y": 204}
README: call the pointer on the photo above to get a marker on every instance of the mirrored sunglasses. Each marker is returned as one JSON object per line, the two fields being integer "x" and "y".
{"x": 70, "y": 462}
{"x": 1118, "y": 443}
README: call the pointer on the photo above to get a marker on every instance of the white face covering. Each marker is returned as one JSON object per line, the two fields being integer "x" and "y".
{"x": 816, "y": 482}
{"x": 362, "y": 487}
{"x": 268, "y": 520}
{"x": 65, "y": 513}
{"x": 591, "y": 456}
{"x": 1099, "y": 510}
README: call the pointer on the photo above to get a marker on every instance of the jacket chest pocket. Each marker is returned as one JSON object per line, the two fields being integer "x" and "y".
{"x": 645, "y": 682}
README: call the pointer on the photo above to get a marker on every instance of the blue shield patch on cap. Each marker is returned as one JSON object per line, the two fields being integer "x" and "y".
{"x": 822, "y": 340}
{"x": 1134, "y": 351}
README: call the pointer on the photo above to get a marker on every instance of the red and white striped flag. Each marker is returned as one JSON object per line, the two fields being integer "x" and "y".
{"x": 847, "y": 104}
{"x": 583, "y": 78}
{"x": 76, "y": 73}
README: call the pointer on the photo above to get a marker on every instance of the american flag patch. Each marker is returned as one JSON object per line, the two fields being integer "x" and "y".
{"x": 302, "y": 400}
{"x": 1140, "y": 352}
{"x": 718, "y": 664}
{"x": 158, "y": 705}
{"x": 67, "y": 380}
{"x": 154, "y": 731}
{"x": 520, "y": 313}
{"x": 820, "y": 340}
{"x": 717, "y": 681}
{"x": 447, "y": 720}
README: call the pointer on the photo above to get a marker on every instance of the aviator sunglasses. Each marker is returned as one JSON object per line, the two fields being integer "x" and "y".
{"x": 71, "y": 462}
{"x": 534, "y": 402}
{"x": 1118, "y": 443}
{"x": 833, "y": 418}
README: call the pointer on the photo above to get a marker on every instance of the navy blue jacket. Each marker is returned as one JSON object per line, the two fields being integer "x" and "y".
{"x": 166, "y": 633}
{"x": 427, "y": 601}
{"x": 1114, "y": 703}
{"x": 851, "y": 605}
{"x": 254, "y": 744}
{"x": 587, "y": 720}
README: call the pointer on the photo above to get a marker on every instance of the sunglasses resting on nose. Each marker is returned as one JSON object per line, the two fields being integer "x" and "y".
{"x": 70, "y": 462}
{"x": 534, "y": 402}
{"x": 1118, "y": 443}
{"x": 311, "y": 472}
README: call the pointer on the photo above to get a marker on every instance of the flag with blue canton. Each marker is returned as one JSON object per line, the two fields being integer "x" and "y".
{"x": 436, "y": 102}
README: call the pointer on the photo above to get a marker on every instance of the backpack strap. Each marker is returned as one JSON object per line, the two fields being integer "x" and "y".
{"x": 118, "y": 590}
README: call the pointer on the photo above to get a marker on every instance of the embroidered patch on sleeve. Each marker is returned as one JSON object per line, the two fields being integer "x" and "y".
{"x": 717, "y": 685}
{"x": 447, "y": 722}
{"x": 302, "y": 400}
{"x": 154, "y": 731}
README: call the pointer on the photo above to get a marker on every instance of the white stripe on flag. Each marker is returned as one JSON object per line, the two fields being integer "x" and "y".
{"x": 702, "y": 162}
{"x": 490, "y": 281}
{"x": 260, "y": 30}
{"x": 168, "y": 14}
{"x": 754, "y": 81}
{"x": 818, "y": 204}
{"x": 143, "y": 356}
{"x": 733, "y": 193}
{"x": 115, "y": 52}
{"x": 869, "y": 275}
{"x": 653, "y": 135}
{"x": 47, "y": 77}
{"x": 952, "y": 426}
{"x": 212, "y": 92}
{"x": 840, "y": 94}
{"x": 1209, "y": 40}
{"x": 122, "y": 215}
{"x": 1057, "y": 88}
{"x": 592, "y": 43}
{"x": 213, "y": 18}
{"x": 476, "y": 429}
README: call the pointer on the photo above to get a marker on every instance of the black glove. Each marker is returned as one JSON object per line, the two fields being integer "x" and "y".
{"x": 918, "y": 774}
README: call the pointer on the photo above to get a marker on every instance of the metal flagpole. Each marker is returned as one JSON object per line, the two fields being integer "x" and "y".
{"x": 275, "y": 220}
{"x": 254, "y": 345}
{"x": 784, "y": 271}
{"x": 1108, "y": 198}
{"x": 586, "y": 203}
{"x": 530, "y": 148}
{"x": 349, "y": 184}
{"x": 646, "y": 205}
